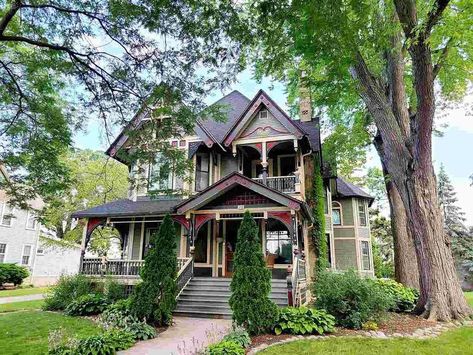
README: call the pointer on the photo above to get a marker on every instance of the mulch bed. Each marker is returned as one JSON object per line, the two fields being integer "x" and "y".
{"x": 394, "y": 323}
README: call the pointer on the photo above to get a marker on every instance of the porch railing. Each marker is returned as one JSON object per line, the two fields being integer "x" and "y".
{"x": 114, "y": 267}
{"x": 185, "y": 273}
{"x": 285, "y": 184}
{"x": 299, "y": 282}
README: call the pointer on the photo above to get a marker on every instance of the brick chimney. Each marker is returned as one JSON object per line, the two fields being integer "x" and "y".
{"x": 305, "y": 106}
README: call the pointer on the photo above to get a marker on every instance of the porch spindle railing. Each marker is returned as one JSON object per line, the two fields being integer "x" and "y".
{"x": 185, "y": 273}
{"x": 299, "y": 282}
{"x": 285, "y": 184}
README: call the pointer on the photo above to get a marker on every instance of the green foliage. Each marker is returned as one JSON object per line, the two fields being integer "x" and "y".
{"x": 67, "y": 289}
{"x": 304, "y": 320}
{"x": 318, "y": 212}
{"x": 87, "y": 305}
{"x": 405, "y": 298}
{"x": 225, "y": 347}
{"x": 113, "y": 290}
{"x": 239, "y": 336}
{"x": 251, "y": 282}
{"x": 370, "y": 325}
{"x": 382, "y": 245}
{"x": 351, "y": 299}
{"x": 107, "y": 343}
{"x": 12, "y": 273}
{"x": 154, "y": 299}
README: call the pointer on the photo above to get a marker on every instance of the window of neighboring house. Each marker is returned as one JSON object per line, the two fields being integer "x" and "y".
{"x": 336, "y": 213}
{"x": 25, "y": 259}
{"x": 6, "y": 214}
{"x": 160, "y": 175}
{"x": 40, "y": 250}
{"x": 202, "y": 171}
{"x": 365, "y": 255}
{"x": 31, "y": 221}
{"x": 362, "y": 212}
{"x": 3, "y": 252}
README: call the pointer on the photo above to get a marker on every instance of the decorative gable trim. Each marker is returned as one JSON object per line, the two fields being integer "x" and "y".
{"x": 229, "y": 182}
{"x": 261, "y": 98}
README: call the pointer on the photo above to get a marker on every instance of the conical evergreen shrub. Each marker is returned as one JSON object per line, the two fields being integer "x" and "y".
{"x": 154, "y": 299}
{"x": 251, "y": 282}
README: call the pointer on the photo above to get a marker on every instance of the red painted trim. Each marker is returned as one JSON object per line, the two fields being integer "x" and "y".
{"x": 182, "y": 220}
{"x": 282, "y": 216}
{"x": 94, "y": 223}
{"x": 201, "y": 219}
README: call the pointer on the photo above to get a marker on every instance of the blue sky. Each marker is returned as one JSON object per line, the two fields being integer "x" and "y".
{"x": 454, "y": 149}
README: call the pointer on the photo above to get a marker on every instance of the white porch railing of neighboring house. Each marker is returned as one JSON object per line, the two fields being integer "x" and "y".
{"x": 124, "y": 268}
{"x": 285, "y": 184}
{"x": 299, "y": 282}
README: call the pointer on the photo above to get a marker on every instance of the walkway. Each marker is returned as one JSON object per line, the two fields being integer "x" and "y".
{"x": 186, "y": 337}
{"x": 13, "y": 299}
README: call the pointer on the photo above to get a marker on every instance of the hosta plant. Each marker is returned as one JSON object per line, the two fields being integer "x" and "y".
{"x": 304, "y": 320}
{"x": 87, "y": 305}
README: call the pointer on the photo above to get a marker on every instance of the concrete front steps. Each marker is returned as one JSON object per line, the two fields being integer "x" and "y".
{"x": 208, "y": 297}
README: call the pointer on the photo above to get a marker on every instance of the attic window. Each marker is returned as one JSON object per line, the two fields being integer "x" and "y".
{"x": 263, "y": 114}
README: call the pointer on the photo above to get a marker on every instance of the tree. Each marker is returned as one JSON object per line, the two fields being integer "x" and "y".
{"x": 382, "y": 58}
{"x": 251, "y": 281}
{"x": 405, "y": 259}
{"x": 461, "y": 237}
{"x": 154, "y": 299}
{"x": 63, "y": 61}
{"x": 95, "y": 180}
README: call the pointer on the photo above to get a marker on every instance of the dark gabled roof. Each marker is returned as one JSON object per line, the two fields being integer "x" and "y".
{"x": 347, "y": 189}
{"x": 125, "y": 207}
{"x": 233, "y": 104}
{"x": 312, "y": 132}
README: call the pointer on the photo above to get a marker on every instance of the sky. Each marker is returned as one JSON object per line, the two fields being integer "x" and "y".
{"x": 454, "y": 149}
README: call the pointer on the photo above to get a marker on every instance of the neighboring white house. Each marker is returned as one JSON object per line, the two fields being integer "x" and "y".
{"x": 20, "y": 243}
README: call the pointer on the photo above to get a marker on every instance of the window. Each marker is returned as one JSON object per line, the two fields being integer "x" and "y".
{"x": 40, "y": 250}
{"x": 278, "y": 242}
{"x": 202, "y": 169}
{"x": 336, "y": 213}
{"x": 25, "y": 259}
{"x": 263, "y": 114}
{"x": 160, "y": 174}
{"x": 31, "y": 220}
{"x": 362, "y": 212}
{"x": 6, "y": 215}
{"x": 3, "y": 252}
{"x": 365, "y": 255}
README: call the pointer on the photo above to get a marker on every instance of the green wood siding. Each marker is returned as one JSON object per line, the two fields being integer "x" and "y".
{"x": 345, "y": 254}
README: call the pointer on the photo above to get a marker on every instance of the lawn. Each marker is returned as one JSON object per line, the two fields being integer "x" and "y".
{"x": 21, "y": 306}
{"x": 27, "y": 332}
{"x": 457, "y": 341}
{"x": 469, "y": 298}
{"x": 23, "y": 291}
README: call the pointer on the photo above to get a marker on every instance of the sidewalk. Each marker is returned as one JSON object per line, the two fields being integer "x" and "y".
{"x": 13, "y": 299}
{"x": 187, "y": 336}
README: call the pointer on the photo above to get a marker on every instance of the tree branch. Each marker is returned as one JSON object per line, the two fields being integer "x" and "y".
{"x": 442, "y": 58}
{"x": 434, "y": 15}
{"x": 9, "y": 15}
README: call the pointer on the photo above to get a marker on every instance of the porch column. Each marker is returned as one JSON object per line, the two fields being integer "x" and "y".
{"x": 264, "y": 162}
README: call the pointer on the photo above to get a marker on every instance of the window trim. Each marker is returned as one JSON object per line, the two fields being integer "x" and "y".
{"x": 4, "y": 253}
{"x": 35, "y": 223}
{"x": 3, "y": 206}
{"x": 29, "y": 256}
{"x": 263, "y": 110}
{"x": 361, "y": 203}
{"x": 367, "y": 255}
{"x": 200, "y": 171}
{"x": 337, "y": 206}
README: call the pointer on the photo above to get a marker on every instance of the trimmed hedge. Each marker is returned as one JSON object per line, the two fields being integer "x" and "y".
{"x": 13, "y": 273}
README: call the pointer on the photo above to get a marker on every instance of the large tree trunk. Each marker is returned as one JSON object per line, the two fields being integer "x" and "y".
{"x": 405, "y": 258}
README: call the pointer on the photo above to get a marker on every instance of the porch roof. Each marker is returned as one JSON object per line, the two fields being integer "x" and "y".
{"x": 234, "y": 179}
{"x": 121, "y": 208}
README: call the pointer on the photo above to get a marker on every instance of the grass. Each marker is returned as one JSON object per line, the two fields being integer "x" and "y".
{"x": 27, "y": 332}
{"x": 457, "y": 341}
{"x": 23, "y": 291}
{"x": 21, "y": 306}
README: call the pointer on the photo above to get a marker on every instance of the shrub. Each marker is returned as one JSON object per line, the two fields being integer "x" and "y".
{"x": 140, "y": 330}
{"x": 225, "y": 348}
{"x": 67, "y": 289}
{"x": 304, "y": 321}
{"x": 370, "y": 325}
{"x": 405, "y": 298}
{"x": 251, "y": 282}
{"x": 12, "y": 273}
{"x": 103, "y": 344}
{"x": 351, "y": 299}
{"x": 87, "y": 305}
{"x": 113, "y": 290}
{"x": 154, "y": 298}
{"x": 239, "y": 336}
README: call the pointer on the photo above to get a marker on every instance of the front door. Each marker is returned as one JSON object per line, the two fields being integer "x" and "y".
{"x": 231, "y": 231}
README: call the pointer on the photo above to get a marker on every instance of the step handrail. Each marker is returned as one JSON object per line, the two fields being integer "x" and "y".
{"x": 184, "y": 275}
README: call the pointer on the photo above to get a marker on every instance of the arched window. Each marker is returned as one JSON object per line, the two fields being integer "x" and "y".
{"x": 336, "y": 213}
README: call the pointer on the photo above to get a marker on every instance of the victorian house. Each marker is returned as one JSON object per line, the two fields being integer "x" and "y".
{"x": 260, "y": 160}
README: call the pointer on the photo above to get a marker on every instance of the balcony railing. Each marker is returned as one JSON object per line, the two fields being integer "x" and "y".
{"x": 125, "y": 268}
{"x": 285, "y": 184}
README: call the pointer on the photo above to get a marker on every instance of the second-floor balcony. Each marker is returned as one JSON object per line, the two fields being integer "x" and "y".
{"x": 286, "y": 184}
